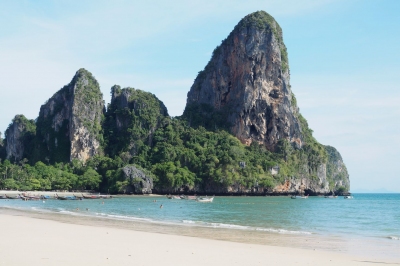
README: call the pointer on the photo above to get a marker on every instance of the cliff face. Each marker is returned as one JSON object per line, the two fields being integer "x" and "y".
{"x": 3, "y": 152}
{"x": 245, "y": 89}
{"x": 131, "y": 120}
{"x": 247, "y": 83}
{"x": 69, "y": 124}
{"x": 336, "y": 170}
{"x": 20, "y": 135}
{"x": 137, "y": 181}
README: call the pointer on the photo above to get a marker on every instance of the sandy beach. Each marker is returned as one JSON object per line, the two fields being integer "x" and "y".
{"x": 33, "y": 241}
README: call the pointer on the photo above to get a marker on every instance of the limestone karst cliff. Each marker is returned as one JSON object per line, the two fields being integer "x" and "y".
{"x": 3, "y": 153}
{"x": 69, "y": 123}
{"x": 19, "y": 140}
{"x": 241, "y": 131}
{"x": 131, "y": 120}
{"x": 245, "y": 89}
{"x": 247, "y": 83}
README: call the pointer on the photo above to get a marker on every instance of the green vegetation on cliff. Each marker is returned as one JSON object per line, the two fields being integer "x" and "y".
{"x": 77, "y": 105}
{"x": 131, "y": 119}
{"x": 26, "y": 135}
{"x": 179, "y": 153}
{"x": 2, "y": 148}
{"x": 192, "y": 153}
{"x": 87, "y": 99}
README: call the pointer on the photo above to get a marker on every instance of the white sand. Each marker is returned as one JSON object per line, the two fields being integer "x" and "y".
{"x": 31, "y": 241}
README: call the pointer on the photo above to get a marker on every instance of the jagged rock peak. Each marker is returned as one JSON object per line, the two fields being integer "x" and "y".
{"x": 69, "y": 123}
{"x": 19, "y": 138}
{"x": 245, "y": 86}
{"x": 136, "y": 99}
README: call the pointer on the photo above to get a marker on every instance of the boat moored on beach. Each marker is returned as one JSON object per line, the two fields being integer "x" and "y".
{"x": 67, "y": 197}
{"x": 13, "y": 196}
{"x": 96, "y": 196}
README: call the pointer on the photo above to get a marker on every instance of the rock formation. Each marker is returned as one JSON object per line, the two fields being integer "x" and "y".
{"x": 131, "y": 119}
{"x": 69, "y": 123}
{"x": 3, "y": 153}
{"x": 19, "y": 138}
{"x": 336, "y": 169}
{"x": 245, "y": 89}
{"x": 138, "y": 181}
{"x": 247, "y": 82}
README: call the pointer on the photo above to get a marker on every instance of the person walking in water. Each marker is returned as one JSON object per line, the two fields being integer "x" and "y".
{"x": 161, "y": 206}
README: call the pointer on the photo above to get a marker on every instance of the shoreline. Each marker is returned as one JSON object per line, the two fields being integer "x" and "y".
{"x": 47, "y": 242}
{"x": 238, "y": 194}
{"x": 335, "y": 247}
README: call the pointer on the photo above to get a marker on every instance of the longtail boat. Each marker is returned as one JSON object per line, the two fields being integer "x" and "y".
{"x": 66, "y": 197}
{"x": 205, "y": 199}
{"x": 25, "y": 198}
{"x": 191, "y": 197}
{"x": 98, "y": 196}
{"x": 13, "y": 196}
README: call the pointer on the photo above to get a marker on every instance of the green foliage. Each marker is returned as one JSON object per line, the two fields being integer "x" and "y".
{"x": 2, "y": 149}
{"x": 27, "y": 133}
{"x": 341, "y": 190}
{"x": 47, "y": 177}
{"x": 206, "y": 116}
{"x": 131, "y": 120}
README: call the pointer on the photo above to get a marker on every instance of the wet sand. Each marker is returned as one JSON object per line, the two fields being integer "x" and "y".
{"x": 48, "y": 239}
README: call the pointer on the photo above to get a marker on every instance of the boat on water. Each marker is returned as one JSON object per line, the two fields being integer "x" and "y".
{"x": 3, "y": 197}
{"x": 45, "y": 197}
{"x": 191, "y": 197}
{"x": 299, "y": 197}
{"x": 13, "y": 196}
{"x": 29, "y": 197}
{"x": 174, "y": 197}
{"x": 205, "y": 199}
{"x": 96, "y": 196}
{"x": 66, "y": 197}
{"x": 331, "y": 197}
{"x": 348, "y": 197}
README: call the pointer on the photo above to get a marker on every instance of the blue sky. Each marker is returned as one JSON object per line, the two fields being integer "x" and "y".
{"x": 344, "y": 60}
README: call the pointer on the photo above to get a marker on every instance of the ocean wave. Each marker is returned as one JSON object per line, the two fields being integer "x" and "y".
{"x": 394, "y": 237}
{"x": 69, "y": 212}
{"x": 123, "y": 217}
{"x": 188, "y": 222}
{"x": 231, "y": 226}
{"x": 283, "y": 231}
{"x": 243, "y": 227}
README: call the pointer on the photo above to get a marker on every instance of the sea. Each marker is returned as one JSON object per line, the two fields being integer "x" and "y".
{"x": 368, "y": 223}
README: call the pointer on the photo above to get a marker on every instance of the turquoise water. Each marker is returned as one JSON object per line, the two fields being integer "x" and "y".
{"x": 367, "y": 215}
